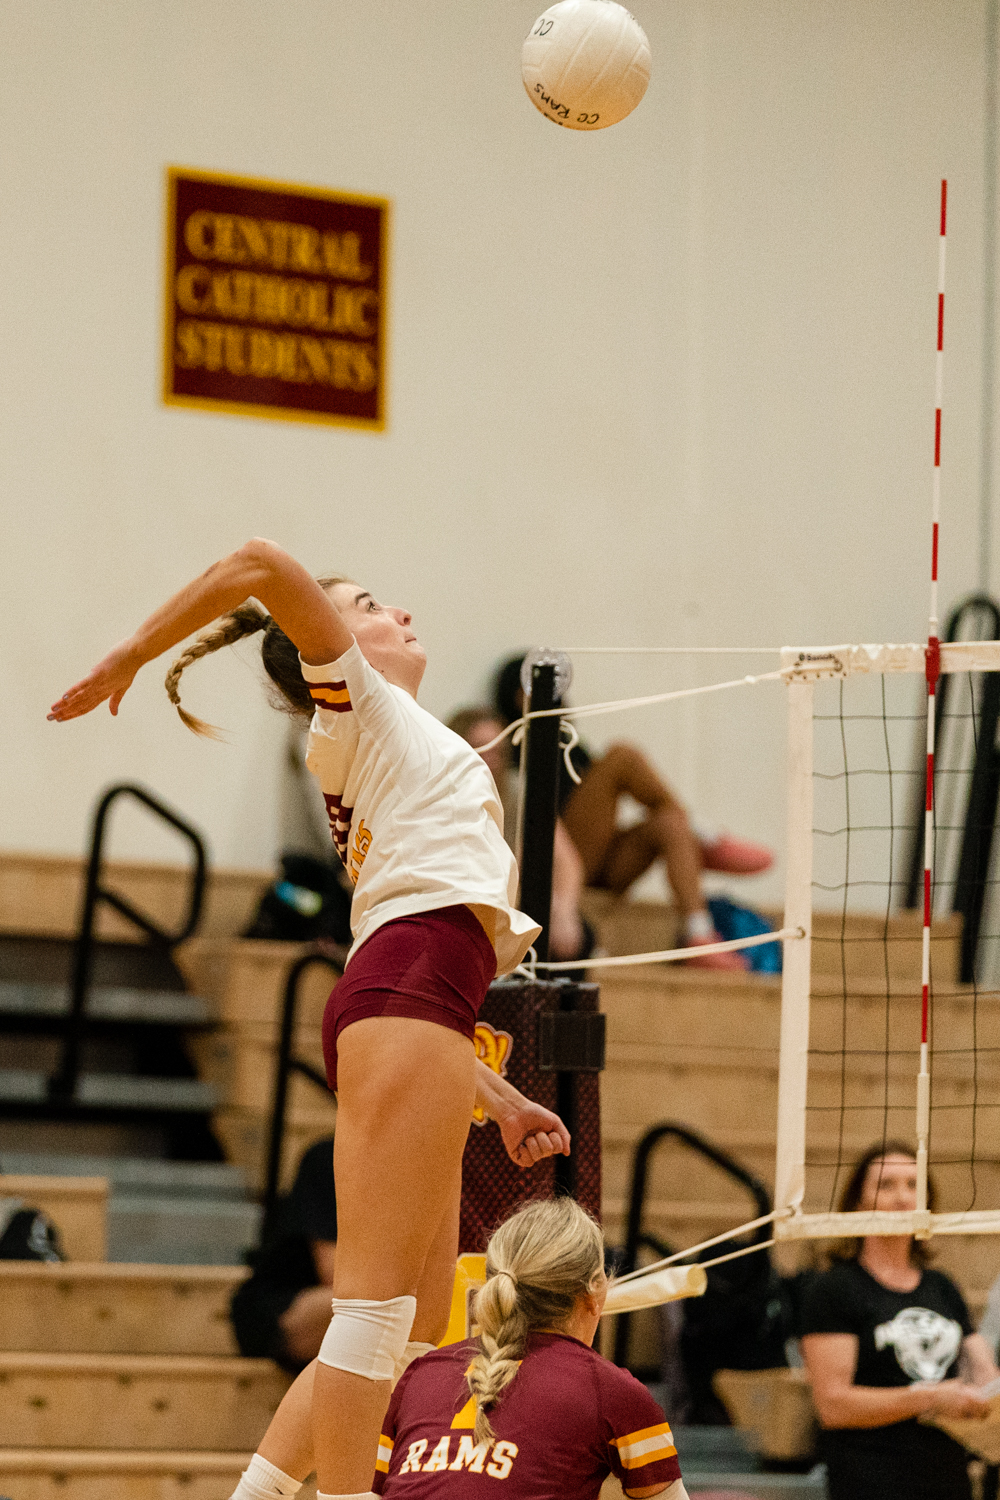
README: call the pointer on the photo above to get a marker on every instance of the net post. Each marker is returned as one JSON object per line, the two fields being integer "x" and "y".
{"x": 793, "y": 1065}
{"x": 541, "y": 803}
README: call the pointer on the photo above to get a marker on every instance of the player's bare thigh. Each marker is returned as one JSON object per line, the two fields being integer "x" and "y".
{"x": 406, "y": 1090}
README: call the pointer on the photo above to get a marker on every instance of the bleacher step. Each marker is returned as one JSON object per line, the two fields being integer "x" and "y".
{"x": 138, "y": 1401}
{"x": 136, "y": 1175}
{"x": 113, "y": 1091}
{"x": 101, "y": 1308}
{"x": 161, "y": 1212}
{"x": 76, "y": 1474}
{"x": 114, "y": 1003}
{"x": 170, "y": 1230}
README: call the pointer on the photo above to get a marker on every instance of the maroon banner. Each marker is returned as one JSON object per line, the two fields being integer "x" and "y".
{"x": 275, "y": 300}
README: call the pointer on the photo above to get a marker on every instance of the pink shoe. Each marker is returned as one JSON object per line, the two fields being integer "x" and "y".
{"x": 734, "y": 962}
{"x": 736, "y": 856}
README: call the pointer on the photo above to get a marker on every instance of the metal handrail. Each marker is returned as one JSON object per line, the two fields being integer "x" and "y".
{"x": 62, "y": 1084}
{"x": 284, "y": 1064}
{"x": 635, "y": 1239}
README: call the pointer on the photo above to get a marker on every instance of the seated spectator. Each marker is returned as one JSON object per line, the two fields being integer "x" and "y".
{"x": 283, "y": 1310}
{"x": 887, "y": 1341}
{"x": 613, "y": 858}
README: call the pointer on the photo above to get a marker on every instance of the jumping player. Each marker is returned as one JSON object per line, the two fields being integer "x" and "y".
{"x": 416, "y": 819}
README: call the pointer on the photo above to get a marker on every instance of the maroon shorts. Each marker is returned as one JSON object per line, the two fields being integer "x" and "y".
{"x": 433, "y": 966}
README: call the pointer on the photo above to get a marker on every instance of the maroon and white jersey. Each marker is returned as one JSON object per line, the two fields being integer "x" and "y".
{"x": 413, "y": 810}
{"x": 568, "y": 1419}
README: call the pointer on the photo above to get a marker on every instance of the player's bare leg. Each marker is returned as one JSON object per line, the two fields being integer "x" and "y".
{"x": 288, "y": 1442}
{"x": 406, "y": 1090}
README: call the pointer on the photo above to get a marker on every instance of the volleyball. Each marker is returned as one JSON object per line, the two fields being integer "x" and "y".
{"x": 585, "y": 63}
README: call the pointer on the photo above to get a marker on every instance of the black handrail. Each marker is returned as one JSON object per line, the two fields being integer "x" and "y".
{"x": 634, "y": 1236}
{"x": 62, "y": 1084}
{"x": 284, "y": 1064}
{"x": 972, "y": 875}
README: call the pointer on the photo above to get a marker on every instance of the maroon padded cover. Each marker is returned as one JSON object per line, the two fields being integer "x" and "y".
{"x": 507, "y": 1033}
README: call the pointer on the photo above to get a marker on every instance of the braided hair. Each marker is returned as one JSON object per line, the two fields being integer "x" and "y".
{"x": 280, "y": 657}
{"x": 537, "y": 1264}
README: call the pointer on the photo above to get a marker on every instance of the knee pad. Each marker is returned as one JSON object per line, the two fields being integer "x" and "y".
{"x": 367, "y": 1338}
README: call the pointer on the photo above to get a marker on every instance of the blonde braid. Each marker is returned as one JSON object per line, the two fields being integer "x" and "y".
{"x": 497, "y": 1308}
{"x": 538, "y": 1263}
{"x": 226, "y": 631}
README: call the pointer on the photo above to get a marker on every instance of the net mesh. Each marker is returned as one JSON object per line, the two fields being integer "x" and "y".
{"x": 868, "y": 775}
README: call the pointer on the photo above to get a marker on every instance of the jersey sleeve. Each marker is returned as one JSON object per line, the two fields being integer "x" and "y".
{"x": 641, "y": 1449}
{"x": 387, "y": 1437}
{"x": 349, "y": 694}
{"x": 826, "y": 1305}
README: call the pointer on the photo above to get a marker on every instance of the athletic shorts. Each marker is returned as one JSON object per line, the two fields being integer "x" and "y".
{"x": 433, "y": 966}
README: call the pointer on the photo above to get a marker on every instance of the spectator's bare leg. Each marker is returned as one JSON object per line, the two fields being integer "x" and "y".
{"x": 615, "y": 858}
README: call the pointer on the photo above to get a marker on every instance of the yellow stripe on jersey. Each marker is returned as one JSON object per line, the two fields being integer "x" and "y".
{"x": 467, "y": 1416}
{"x": 647, "y": 1446}
{"x": 330, "y": 695}
{"x": 384, "y": 1454}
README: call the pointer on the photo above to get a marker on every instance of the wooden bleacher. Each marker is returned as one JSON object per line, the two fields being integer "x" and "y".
{"x": 150, "y": 1345}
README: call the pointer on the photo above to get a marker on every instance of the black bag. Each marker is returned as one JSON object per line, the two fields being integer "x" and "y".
{"x": 29, "y": 1235}
{"x": 741, "y": 1323}
{"x": 307, "y": 902}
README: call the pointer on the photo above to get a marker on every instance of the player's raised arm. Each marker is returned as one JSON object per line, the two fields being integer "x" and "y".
{"x": 259, "y": 569}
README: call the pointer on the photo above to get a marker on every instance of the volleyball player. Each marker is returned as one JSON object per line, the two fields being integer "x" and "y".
{"x": 529, "y": 1401}
{"x": 416, "y": 820}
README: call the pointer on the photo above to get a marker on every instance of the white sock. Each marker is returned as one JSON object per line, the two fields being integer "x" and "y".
{"x": 699, "y": 924}
{"x": 367, "y": 1495}
{"x": 414, "y": 1350}
{"x": 264, "y": 1481}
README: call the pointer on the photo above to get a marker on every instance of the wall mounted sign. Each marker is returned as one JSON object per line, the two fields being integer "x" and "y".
{"x": 276, "y": 300}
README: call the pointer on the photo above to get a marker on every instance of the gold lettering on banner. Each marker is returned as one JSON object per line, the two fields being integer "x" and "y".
{"x": 249, "y": 296}
{"x": 334, "y": 362}
{"x": 274, "y": 243}
{"x": 276, "y": 302}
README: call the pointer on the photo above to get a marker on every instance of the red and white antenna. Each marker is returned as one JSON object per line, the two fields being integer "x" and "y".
{"x": 933, "y": 670}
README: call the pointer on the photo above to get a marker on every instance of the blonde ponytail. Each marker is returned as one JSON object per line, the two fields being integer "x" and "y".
{"x": 278, "y": 654}
{"x": 226, "y": 631}
{"x": 537, "y": 1264}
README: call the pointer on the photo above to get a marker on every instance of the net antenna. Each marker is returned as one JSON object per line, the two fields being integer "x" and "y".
{"x": 933, "y": 672}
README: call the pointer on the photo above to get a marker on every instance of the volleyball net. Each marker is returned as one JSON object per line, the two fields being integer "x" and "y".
{"x": 888, "y": 1033}
{"x": 881, "y": 1039}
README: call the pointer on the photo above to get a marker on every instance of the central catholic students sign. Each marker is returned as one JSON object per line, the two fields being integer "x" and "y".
{"x": 275, "y": 300}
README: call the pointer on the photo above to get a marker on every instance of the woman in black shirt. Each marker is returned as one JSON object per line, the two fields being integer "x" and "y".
{"x": 887, "y": 1341}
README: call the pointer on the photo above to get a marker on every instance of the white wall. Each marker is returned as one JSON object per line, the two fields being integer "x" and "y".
{"x": 667, "y": 383}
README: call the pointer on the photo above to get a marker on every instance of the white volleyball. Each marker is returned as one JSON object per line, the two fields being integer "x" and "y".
{"x": 585, "y": 63}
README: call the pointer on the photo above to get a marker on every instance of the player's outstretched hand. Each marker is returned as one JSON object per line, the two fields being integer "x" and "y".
{"x": 111, "y": 678}
{"x": 531, "y": 1133}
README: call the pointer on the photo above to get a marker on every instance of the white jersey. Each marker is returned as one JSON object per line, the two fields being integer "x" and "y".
{"x": 413, "y": 810}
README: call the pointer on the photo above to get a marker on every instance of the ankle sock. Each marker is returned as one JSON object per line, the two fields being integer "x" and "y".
{"x": 699, "y": 925}
{"x": 365, "y": 1495}
{"x": 265, "y": 1481}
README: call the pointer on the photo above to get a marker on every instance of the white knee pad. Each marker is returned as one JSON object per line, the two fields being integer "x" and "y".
{"x": 367, "y": 1338}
